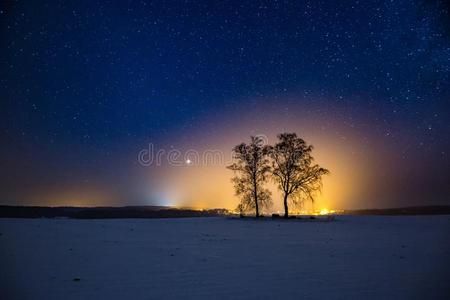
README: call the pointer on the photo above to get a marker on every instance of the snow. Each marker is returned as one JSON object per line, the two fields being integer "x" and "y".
{"x": 360, "y": 257}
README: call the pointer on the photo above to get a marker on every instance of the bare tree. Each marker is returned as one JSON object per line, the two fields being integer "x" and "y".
{"x": 251, "y": 169}
{"x": 294, "y": 171}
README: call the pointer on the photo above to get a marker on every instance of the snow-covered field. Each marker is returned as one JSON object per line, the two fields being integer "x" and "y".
{"x": 366, "y": 257}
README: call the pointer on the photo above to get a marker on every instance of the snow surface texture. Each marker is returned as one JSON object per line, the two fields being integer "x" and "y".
{"x": 359, "y": 257}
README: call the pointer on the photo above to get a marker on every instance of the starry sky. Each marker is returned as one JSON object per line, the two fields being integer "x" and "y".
{"x": 86, "y": 85}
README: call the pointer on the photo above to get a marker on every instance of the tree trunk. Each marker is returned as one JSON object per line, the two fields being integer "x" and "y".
{"x": 256, "y": 197}
{"x": 286, "y": 210}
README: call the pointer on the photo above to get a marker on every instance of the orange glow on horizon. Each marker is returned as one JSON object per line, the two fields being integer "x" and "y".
{"x": 209, "y": 186}
{"x": 337, "y": 147}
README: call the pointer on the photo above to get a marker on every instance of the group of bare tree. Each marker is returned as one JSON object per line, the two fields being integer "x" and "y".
{"x": 288, "y": 163}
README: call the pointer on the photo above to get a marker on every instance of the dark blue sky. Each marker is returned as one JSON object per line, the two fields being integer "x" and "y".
{"x": 85, "y": 84}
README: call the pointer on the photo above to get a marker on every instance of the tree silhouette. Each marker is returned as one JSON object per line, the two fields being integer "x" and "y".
{"x": 251, "y": 169}
{"x": 294, "y": 170}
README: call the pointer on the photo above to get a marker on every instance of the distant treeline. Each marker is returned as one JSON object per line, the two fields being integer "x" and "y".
{"x": 167, "y": 212}
{"x": 105, "y": 212}
{"x": 413, "y": 210}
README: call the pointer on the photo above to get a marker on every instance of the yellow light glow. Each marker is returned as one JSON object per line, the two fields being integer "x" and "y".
{"x": 325, "y": 211}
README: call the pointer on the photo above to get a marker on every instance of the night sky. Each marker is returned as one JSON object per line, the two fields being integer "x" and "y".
{"x": 86, "y": 86}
